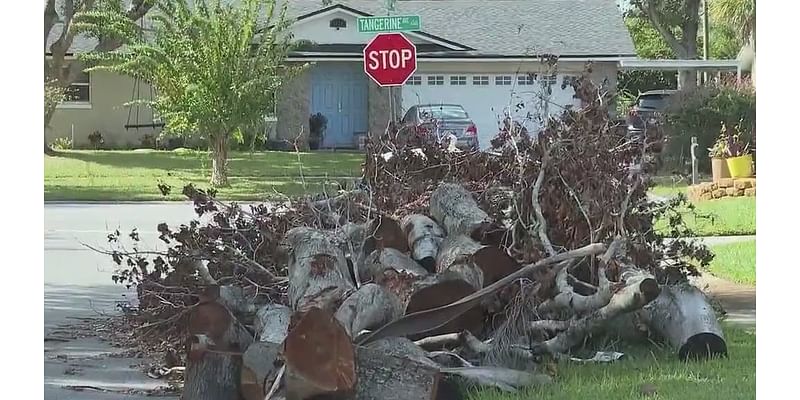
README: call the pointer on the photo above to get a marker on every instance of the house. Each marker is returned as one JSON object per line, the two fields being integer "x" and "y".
{"x": 483, "y": 54}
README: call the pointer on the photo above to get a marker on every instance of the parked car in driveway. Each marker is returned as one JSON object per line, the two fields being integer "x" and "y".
{"x": 648, "y": 105}
{"x": 441, "y": 121}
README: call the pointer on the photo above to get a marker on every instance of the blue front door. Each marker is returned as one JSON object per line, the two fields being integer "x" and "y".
{"x": 339, "y": 92}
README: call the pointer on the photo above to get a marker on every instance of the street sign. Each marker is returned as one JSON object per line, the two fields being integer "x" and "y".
{"x": 390, "y": 59}
{"x": 389, "y": 23}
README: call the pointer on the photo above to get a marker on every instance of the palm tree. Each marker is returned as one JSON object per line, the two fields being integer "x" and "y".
{"x": 738, "y": 14}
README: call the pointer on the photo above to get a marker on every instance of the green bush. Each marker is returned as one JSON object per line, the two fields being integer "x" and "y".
{"x": 701, "y": 113}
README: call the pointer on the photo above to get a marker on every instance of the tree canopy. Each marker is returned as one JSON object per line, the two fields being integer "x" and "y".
{"x": 215, "y": 66}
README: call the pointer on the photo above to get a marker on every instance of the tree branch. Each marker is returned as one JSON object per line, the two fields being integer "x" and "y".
{"x": 649, "y": 9}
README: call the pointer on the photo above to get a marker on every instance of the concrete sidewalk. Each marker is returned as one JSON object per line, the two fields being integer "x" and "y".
{"x": 739, "y": 301}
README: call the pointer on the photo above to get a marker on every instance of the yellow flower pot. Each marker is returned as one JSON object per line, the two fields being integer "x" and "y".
{"x": 741, "y": 167}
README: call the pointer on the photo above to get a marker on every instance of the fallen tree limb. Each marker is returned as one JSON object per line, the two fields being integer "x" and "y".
{"x": 477, "y": 264}
{"x": 389, "y": 258}
{"x": 505, "y": 379}
{"x": 633, "y": 296}
{"x": 425, "y": 321}
{"x": 370, "y": 307}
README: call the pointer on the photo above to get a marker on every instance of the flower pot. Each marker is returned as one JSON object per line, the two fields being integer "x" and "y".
{"x": 741, "y": 167}
{"x": 719, "y": 169}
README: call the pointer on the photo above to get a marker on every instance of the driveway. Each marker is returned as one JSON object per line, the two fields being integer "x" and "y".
{"x": 77, "y": 284}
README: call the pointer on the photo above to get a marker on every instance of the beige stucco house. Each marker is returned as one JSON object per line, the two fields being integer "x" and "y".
{"x": 483, "y": 55}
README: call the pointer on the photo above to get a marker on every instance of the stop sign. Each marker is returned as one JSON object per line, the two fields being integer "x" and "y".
{"x": 390, "y": 59}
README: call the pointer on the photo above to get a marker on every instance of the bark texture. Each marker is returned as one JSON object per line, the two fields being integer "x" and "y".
{"x": 370, "y": 307}
{"x": 683, "y": 316}
{"x": 458, "y": 213}
{"x": 219, "y": 160}
{"x": 384, "y": 376}
{"x": 424, "y": 238}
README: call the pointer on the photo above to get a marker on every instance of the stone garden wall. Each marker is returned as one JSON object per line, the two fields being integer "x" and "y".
{"x": 726, "y": 187}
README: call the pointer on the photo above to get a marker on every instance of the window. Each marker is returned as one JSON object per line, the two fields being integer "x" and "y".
{"x": 480, "y": 80}
{"x": 458, "y": 80}
{"x": 502, "y": 80}
{"x": 443, "y": 112}
{"x": 550, "y": 79}
{"x": 78, "y": 91}
{"x": 527, "y": 79}
{"x": 415, "y": 80}
{"x": 435, "y": 80}
{"x": 338, "y": 23}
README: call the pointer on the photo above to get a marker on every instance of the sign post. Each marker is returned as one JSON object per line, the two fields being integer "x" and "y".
{"x": 390, "y": 59}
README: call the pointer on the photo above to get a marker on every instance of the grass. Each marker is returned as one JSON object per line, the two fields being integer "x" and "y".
{"x": 730, "y": 216}
{"x": 735, "y": 262}
{"x": 134, "y": 175}
{"x": 731, "y": 378}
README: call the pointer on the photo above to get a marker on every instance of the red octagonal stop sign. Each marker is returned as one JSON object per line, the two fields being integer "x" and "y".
{"x": 390, "y": 59}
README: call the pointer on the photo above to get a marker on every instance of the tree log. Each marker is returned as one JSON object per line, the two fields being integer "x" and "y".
{"x": 216, "y": 340}
{"x": 458, "y": 213}
{"x": 424, "y": 238}
{"x": 272, "y": 323}
{"x": 476, "y": 264}
{"x": 318, "y": 272}
{"x": 260, "y": 368}
{"x": 389, "y": 258}
{"x": 684, "y": 317}
{"x": 384, "y": 376}
{"x": 319, "y": 357}
{"x": 384, "y": 232}
{"x": 370, "y": 307}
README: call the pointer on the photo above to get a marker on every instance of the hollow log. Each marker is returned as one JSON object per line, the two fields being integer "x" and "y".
{"x": 318, "y": 271}
{"x": 459, "y": 214}
{"x": 424, "y": 238}
{"x": 319, "y": 357}
{"x": 216, "y": 341}
{"x": 683, "y": 316}
{"x": 370, "y": 307}
{"x": 389, "y": 258}
{"x": 475, "y": 263}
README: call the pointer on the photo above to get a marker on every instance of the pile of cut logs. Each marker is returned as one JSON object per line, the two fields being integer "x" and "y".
{"x": 409, "y": 309}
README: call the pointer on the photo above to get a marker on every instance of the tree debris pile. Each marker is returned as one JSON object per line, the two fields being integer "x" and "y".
{"x": 443, "y": 269}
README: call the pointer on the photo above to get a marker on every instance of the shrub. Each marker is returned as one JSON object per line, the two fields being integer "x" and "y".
{"x": 700, "y": 113}
{"x": 149, "y": 141}
{"x": 62, "y": 143}
{"x": 96, "y": 140}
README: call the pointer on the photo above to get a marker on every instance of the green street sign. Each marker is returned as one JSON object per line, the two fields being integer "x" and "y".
{"x": 390, "y": 23}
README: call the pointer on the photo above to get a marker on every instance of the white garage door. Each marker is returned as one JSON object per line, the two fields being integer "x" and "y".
{"x": 487, "y": 98}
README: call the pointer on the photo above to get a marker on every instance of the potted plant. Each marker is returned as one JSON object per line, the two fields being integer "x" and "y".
{"x": 739, "y": 160}
{"x": 718, "y": 153}
{"x": 317, "y": 124}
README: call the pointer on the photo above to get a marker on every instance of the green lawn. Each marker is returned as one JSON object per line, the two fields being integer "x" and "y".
{"x": 134, "y": 175}
{"x": 732, "y": 378}
{"x": 731, "y": 216}
{"x": 735, "y": 262}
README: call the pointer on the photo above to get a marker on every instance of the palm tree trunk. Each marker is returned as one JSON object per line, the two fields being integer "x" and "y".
{"x": 219, "y": 160}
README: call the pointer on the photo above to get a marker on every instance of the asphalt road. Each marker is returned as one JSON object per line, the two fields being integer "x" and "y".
{"x": 77, "y": 283}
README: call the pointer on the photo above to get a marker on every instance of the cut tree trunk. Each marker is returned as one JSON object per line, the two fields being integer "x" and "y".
{"x": 216, "y": 343}
{"x": 424, "y": 238}
{"x": 458, "y": 213}
{"x": 383, "y": 259}
{"x": 259, "y": 361}
{"x": 683, "y": 316}
{"x": 370, "y": 307}
{"x": 318, "y": 272}
{"x": 320, "y": 357}
{"x": 386, "y": 376}
{"x": 219, "y": 160}
{"x": 384, "y": 232}
{"x": 475, "y": 263}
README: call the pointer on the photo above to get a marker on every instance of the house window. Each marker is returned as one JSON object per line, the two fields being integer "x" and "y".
{"x": 527, "y": 79}
{"x": 435, "y": 80}
{"x": 415, "y": 80}
{"x": 338, "y": 23}
{"x": 78, "y": 91}
{"x": 458, "y": 80}
{"x": 550, "y": 79}
{"x": 504, "y": 80}
{"x": 480, "y": 80}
